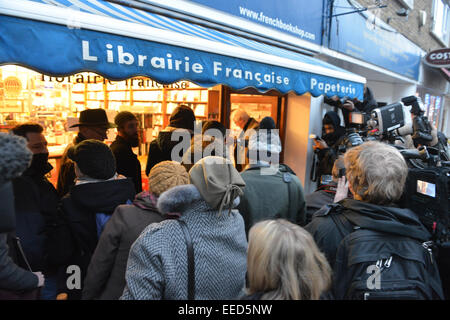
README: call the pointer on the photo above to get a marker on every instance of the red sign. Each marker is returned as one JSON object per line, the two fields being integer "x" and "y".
{"x": 438, "y": 58}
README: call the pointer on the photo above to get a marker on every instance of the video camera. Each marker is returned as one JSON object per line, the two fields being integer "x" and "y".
{"x": 427, "y": 192}
{"x": 386, "y": 123}
{"x": 393, "y": 121}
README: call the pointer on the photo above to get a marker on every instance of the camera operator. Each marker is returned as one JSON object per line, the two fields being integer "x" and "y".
{"x": 370, "y": 230}
{"x": 327, "y": 147}
{"x": 348, "y": 105}
{"x": 423, "y": 131}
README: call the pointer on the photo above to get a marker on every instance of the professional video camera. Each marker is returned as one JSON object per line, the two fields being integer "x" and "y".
{"x": 427, "y": 192}
{"x": 387, "y": 124}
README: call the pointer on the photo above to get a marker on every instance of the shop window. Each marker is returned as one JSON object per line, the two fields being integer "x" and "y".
{"x": 441, "y": 21}
{"x": 56, "y": 102}
{"x": 256, "y": 106}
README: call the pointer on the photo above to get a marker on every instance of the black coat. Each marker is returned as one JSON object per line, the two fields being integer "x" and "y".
{"x": 36, "y": 204}
{"x": 161, "y": 148}
{"x": 319, "y": 198}
{"x": 127, "y": 162}
{"x": 12, "y": 277}
{"x": 387, "y": 220}
{"x": 328, "y": 155}
{"x": 365, "y": 215}
{"x": 80, "y": 207}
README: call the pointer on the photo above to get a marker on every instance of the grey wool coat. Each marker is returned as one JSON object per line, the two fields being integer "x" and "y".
{"x": 157, "y": 265}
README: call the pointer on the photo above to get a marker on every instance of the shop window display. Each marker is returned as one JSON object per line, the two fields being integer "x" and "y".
{"x": 55, "y": 103}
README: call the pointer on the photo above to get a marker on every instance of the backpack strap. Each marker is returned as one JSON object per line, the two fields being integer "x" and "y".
{"x": 190, "y": 259}
{"x": 344, "y": 229}
{"x": 287, "y": 178}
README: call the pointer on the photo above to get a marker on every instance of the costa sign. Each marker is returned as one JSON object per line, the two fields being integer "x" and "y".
{"x": 438, "y": 58}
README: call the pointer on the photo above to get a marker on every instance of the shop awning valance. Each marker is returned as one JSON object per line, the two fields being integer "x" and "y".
{"x": 63, "y": 37}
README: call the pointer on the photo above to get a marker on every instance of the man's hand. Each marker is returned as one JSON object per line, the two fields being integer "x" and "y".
{"x": 335, "y": 98}
{"x": 349, "y": 105}
{"x": 342, "y": 190}
{"x": 41, "y": 278}
{"x": 319, "y": 144}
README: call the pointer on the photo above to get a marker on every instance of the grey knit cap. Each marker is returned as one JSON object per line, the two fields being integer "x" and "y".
{"x": 15, "y": 156}
{"x": 218, "y": 182}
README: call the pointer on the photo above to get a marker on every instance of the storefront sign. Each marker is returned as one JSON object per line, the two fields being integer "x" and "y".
{"x": 376, "y": 43}
{"x": 59, "y": 51}
{"x": 438, "y": 58}
{"x": 301, "y": 18}
{"x": 139, "y": 82}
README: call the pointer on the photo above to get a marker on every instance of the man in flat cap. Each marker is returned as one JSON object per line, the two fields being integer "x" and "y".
{"x": 126, "y": 139}
{"x": 93, "y": 124}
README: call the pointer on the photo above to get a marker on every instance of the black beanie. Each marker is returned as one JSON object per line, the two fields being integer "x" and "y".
{"x": 94, "y": 159}
{"x": 183, "y": 118}
{"x": 267, "y": 123}
{"x": 123, "y": 117}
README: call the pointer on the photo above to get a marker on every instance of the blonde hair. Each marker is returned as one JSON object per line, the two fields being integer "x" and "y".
{"x": 285, "y": 263}
{"x": 376, "y": 171}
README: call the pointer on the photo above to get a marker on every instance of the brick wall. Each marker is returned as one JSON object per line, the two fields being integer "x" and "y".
{"x": 421, "y": 36}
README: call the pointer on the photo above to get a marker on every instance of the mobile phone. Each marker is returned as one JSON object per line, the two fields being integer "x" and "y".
{"x": 341, "y": 172}
{"x": 315, "y": 137}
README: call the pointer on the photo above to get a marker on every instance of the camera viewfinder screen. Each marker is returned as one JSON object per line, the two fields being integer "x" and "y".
{"x": 356, "y": 117}
{"x": 426, "y": 188}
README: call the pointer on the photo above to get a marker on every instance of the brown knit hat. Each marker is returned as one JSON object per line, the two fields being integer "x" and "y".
{"x": 166, "y": 175}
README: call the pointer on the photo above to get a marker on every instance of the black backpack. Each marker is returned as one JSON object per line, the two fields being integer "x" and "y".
{"x": 372, "y": 265}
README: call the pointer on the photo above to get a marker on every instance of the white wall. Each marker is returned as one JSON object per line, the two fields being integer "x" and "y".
{"x": 389, "y": 92}
{"x": 304, "y": 116}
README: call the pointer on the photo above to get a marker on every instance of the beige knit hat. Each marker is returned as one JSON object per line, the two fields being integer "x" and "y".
{"x": 166, "y": 175}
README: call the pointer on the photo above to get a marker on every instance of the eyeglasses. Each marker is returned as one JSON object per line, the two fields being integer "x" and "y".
{"x": 100, "y": 131}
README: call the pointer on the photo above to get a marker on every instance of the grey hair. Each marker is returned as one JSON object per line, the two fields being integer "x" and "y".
{"x": 15, "y": 156}
{"x": 377, "y": 172}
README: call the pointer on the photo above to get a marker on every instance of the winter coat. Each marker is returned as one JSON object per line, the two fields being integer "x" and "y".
{"x": 161, "y": 148}
{"x": 319, "y": 198}
{"x": 8, "y": 214}
{"x": 242, "y": 147}
{"x": 127, "y": 161}
{"x": 36, "y": 204}
{"x": 12, "y": 277}
{"x": 268, "y": 196}
{"x": 105, "y": 278}
{"x": 87, "y": 207}
{"x": 328, "y": 155}
{"x": 157, "y": 265}
{"x": 391, "y": 221}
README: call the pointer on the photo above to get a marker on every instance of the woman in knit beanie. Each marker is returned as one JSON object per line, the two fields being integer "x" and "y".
{"x": 106, "y": 273}
{"x": 158, "y": 262}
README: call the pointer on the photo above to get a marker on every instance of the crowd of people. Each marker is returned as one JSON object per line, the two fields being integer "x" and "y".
{"x": 211, "y": 226}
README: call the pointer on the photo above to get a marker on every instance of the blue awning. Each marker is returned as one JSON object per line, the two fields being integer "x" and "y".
{"x": 63, "y": 37}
